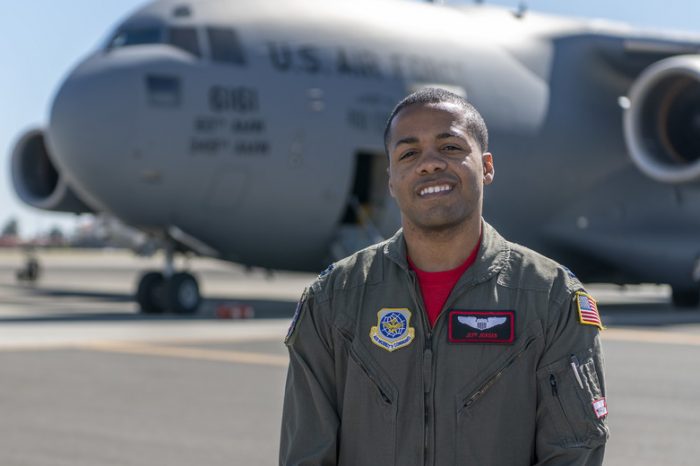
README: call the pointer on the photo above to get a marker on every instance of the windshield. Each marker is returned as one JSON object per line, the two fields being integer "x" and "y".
{"x": 134, "y": 35}
{"x": 184, "y": 38}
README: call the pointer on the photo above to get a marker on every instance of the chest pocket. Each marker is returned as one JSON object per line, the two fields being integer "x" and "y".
{"x": 368, "y": 430}
{"x": 500, "y": 407}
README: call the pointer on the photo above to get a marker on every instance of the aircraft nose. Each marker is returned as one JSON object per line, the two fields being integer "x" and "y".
{"x": 93, "y": 126}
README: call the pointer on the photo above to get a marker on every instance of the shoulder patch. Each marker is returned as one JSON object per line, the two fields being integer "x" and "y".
{"x": 569, "y": 272}
{"x": 588, "y": 310}
{"x": 295, "y": 318}
{"x": 327, "y": 270}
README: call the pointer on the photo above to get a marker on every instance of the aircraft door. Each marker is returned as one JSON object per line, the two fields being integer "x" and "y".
{"x": 370, "y": 215}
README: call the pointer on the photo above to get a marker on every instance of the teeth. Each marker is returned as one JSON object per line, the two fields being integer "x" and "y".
{"x": 435, "y": 189}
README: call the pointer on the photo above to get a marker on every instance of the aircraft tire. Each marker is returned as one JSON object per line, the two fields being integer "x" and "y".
{"x": 685, "y": 298}
{"x": 149, "y": 294}
{"x": 182, "y": 293}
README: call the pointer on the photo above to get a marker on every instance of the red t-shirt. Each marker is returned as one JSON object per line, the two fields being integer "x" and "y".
{"x": 436, "y": 286}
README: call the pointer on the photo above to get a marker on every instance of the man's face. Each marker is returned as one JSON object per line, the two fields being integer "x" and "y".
{"x": 436, "y": 170}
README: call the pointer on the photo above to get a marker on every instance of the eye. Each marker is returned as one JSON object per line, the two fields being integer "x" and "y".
{"x": 451, "y": 147}
{"x": 408, "y": 153}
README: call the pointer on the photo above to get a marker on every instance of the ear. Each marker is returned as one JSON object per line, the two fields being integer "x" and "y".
{"x": 391, "y": 185}
{"x": 489, "y": 171}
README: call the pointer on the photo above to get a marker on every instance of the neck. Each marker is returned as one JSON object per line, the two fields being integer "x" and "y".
{"x": 439, "y": 250}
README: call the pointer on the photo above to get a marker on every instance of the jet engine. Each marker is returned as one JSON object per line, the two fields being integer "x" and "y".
{"x": 662, "y": 121}
{"x": 36, "y": 180}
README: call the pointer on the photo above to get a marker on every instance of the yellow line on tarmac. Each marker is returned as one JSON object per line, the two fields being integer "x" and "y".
{"x": 651, "y": 336}
{"x": 61, "y": 345}
{"x": 265, "y": 359}
{"x": 241, "y": 357}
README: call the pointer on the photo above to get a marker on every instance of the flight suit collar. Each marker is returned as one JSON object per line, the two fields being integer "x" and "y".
{"x": 492, "y": 256}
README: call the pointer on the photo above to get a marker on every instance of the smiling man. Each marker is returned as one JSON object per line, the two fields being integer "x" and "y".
{"x": 446, "y": 344}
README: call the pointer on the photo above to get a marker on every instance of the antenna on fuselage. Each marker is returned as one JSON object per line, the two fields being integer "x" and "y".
{"x": 522, "y": 9}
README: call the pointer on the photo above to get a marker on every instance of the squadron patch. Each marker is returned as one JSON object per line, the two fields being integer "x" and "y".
{"x": 569, "y": 272}
{"x": 481, "y": 327}
{"x": 393, "y": 330}
{"x": 326, "y": 271}
{"x": 588, "y": 310}
{"x": 295, "y": 319}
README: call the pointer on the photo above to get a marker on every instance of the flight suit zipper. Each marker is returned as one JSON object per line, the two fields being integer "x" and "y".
{"x": 380, "y": 388}
{"x": 428, "y": 368}
{"x": 428, "y": 359}
{"x": 483, "y": 388}
{"x": 375, "y": 382}
{"x": 427, "y": 398}
{"x": 555, "y": 393}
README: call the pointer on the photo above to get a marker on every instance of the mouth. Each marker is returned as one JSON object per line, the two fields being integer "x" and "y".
{"x": 435, "y": 189}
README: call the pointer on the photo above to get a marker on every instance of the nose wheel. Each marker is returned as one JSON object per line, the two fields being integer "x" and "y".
{"x": 157, "y": 294}
{"x": 168, "y": 291}
{"x": 182, "y": 293}
{"x": 685, "y": 298}
{"x": 149, "y": 294}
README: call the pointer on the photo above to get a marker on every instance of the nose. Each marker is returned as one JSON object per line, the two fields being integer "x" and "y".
{"x": 431, "y": 161}
{"x": 92, "y": 127}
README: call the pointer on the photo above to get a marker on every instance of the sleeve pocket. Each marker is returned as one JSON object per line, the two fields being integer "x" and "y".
{"x": 573, "y": 409}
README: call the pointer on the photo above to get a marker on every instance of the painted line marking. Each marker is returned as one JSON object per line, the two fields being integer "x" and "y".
{"x": 241, "y": 357}
{"x": 68, "y": 343}
{"x": 162, "y": 349}
{"x": 651, "y": 336}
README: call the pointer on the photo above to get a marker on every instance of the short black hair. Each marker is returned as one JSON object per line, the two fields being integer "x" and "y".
{"x": 476, "y": 126}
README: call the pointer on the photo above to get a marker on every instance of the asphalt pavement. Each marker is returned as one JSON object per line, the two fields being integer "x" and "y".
{"x": 86, "y": 380}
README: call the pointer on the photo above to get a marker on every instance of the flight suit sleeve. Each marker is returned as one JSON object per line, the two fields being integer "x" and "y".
{"x": 310, "y": 418}
{"x": 572, "y": 408}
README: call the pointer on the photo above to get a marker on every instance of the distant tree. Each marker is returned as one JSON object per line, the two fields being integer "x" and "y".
{"x": 11, "y": 228}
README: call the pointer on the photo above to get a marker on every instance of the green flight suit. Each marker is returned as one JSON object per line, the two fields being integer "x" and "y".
{"x": 510, "y": 374}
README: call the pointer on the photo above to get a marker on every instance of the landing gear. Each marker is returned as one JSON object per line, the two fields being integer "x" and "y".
{"x": 30, "y": 272}
{"x": 157, "y": 294}
{"x": 685, "y": 298}
{"x": 169, "y": 291}
{"x": 182, "y": 293}
{"x": 149, "y": 293}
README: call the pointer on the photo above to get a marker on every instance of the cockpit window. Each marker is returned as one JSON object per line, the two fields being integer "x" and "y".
{"x": 136, "y": 36}
{"x": 185, "y": 38}
{"x": 224, "y": 46}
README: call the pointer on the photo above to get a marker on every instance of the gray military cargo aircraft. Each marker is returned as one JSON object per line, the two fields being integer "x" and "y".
{"x": 251, "y": 130}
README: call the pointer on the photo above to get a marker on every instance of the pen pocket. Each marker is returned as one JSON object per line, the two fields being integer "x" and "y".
{"x": 572, "y": 403}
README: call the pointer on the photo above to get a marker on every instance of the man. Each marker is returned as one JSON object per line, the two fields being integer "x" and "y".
{"x": 446, "y": 344}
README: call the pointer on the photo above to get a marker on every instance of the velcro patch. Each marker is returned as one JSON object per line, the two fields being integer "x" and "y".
{"x": 481, "y": 327}
{"x": 588, "y": 310}
{"x": 295, "y": 319}
{"x": 393, "y": 330}
{"x": 600, "y": 407}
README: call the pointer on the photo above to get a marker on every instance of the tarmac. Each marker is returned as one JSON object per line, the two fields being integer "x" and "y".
{"x": 87, "y": 380}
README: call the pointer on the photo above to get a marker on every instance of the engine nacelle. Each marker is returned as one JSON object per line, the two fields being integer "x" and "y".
{"x": 662, "y": 122}
{"x": 36, "y": 180}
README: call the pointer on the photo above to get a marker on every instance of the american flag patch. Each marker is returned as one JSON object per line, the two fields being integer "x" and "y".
{"x": 588, "y": 310}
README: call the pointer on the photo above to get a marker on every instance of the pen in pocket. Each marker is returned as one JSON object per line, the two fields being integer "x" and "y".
{"x": 575, "y": 366}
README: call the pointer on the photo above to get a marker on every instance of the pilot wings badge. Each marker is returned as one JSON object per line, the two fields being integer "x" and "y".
{"x": 481, "y": 327}
{"x": 392, "y": 330}
{"x": 481, "y": 323}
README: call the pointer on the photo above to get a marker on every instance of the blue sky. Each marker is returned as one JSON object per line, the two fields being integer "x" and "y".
{"x": 41, "y": 40}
